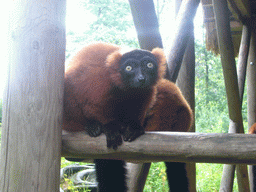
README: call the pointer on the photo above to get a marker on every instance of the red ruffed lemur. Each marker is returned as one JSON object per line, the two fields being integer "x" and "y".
{"x": 120, "y": 95}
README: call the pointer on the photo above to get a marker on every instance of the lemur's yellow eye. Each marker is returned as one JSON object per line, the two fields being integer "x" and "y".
{"x": 150, "y": 65}
{"x": 128, "y": 68}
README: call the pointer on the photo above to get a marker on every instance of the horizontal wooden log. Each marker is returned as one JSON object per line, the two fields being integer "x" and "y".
{"x": 166, "y": 146}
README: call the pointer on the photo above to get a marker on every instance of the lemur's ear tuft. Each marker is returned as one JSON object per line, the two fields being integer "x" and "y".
{"x": 161, "y": 61}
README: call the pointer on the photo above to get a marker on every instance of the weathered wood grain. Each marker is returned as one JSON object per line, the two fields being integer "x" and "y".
{"x": 32, "y": 112}
{"x": 166, "y": 146}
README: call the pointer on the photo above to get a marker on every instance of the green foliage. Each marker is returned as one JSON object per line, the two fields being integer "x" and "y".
{"x": 157, "y": 179}
{"x": 208, "y": 177}
{"x": 69, "y": 185}
{"x": 110, "y": 21}
{"x": 205, "y": 179}
{"x": 109, "y": 14}
{"x": 211, "y": 111}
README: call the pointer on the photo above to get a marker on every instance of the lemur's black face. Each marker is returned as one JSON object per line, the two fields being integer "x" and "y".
{"x": 139, "y": 69}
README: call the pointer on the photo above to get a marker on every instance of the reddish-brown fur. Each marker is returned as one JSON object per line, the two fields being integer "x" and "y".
{"x": 87, "y": 86}
{"x": 89, "y": 79}
{"x": 252, "y": 129}
{"x": 171, "y": 112}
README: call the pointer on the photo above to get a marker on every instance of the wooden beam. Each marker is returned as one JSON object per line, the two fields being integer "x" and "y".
{"x": 251, "y": 94}
{"x": 137, "y": 176}
{"x": 228, "y": 63}
{"x": 182, "y": 34}
{"x": 231, "y": 83}
{"x": 227, "y": 182}
{"x": 241, "y": 170}
{"x": 241, "y": 8}
{"x": 166, "y": 146}
{"x": 32, "y": 111}
{"x": 146, "y": 24}
{"x": 242, "y": 60}
{"x": 186, "y": 83}
{"x": 251, "y": 78}
{"x": 229, "y": 170}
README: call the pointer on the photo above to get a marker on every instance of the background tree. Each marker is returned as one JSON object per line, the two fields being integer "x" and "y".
{"x": 109, "y": 21}
{"x": 211, "y": 103}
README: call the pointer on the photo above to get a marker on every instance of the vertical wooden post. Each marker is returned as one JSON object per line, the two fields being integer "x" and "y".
{"x": 137, "y": 176}
{"x": 231, "y": 84}
{"x": 186, "y": 83}
{"x": 241, "y": 170}
{"x": 32, "y": 112}
{"x": 228, "y": 62}
{"x": 146, "y": 24}
{"x": 182, "y": 34}
{"x": 251, "y": 94}
{"x": 242, "y": 60}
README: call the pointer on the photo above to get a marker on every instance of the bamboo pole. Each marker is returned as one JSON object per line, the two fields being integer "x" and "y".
{"x": 231, "y": 84}
{"x": 32, "y": 111}
{"x": 166, "y": 146}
